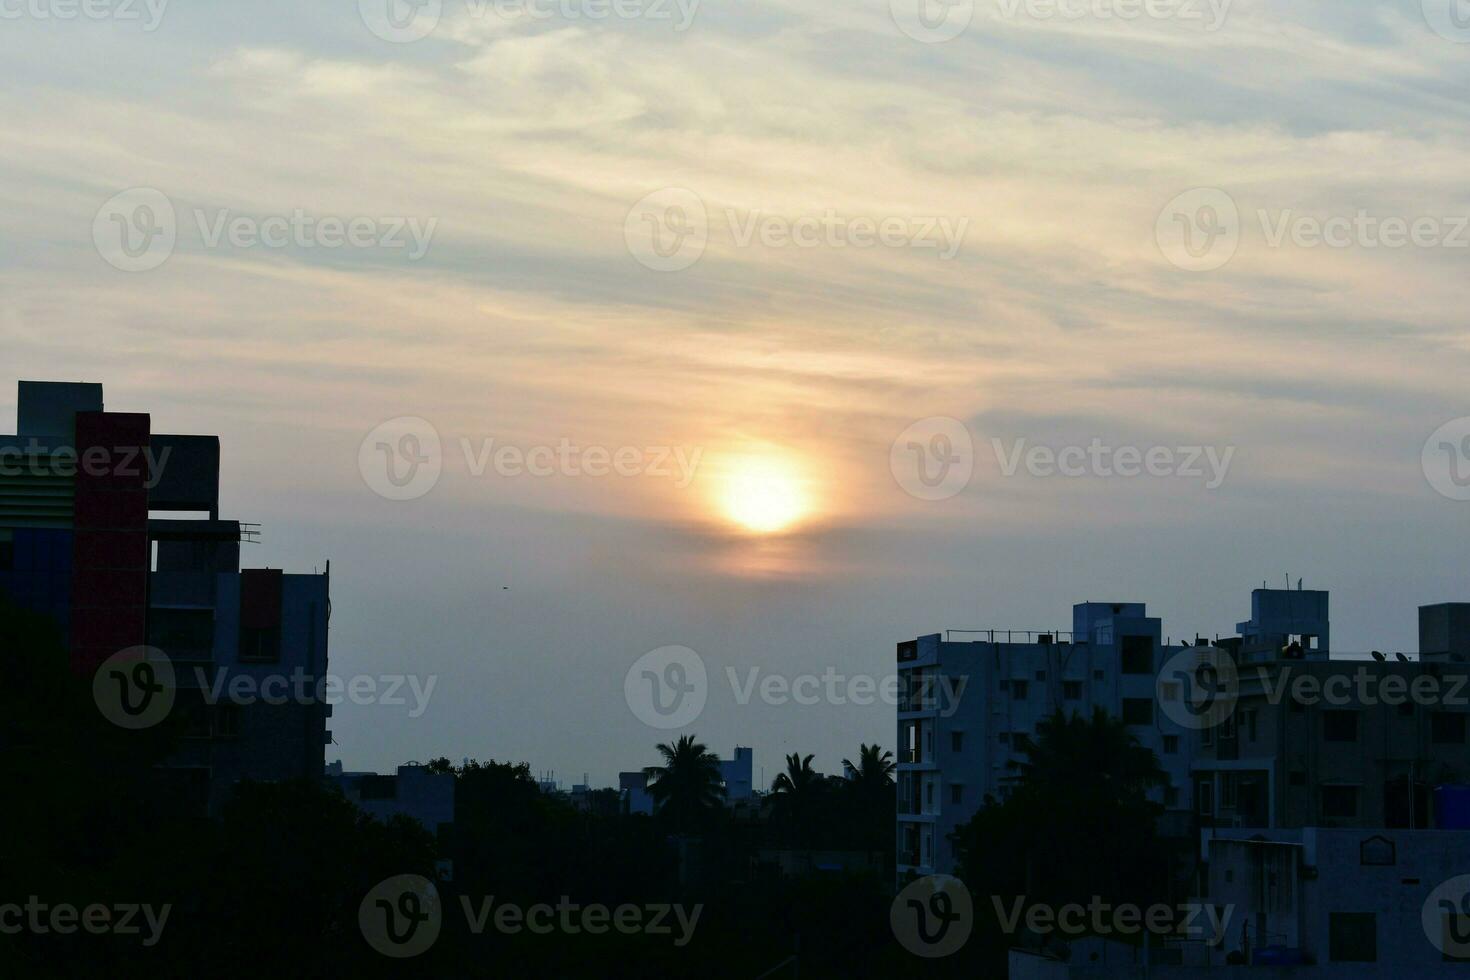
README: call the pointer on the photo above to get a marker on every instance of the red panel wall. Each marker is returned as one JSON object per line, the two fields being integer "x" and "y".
{"x": 110, "y": 554}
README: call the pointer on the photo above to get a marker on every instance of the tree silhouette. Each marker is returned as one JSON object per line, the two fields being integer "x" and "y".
{"x": 872, "y": 799}
{"x": 874, "y": 768}
{"x": 688, "y": 786}
{"x": 798, "y": 794}
{"x": 1077, "y": 824}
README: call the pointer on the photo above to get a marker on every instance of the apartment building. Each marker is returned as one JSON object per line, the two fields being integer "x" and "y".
{"x": 114, "y": 532}
{"x": 970, "y": 700}
{"x": 1376, "y": 742}
{"x": 1346, "y": 904}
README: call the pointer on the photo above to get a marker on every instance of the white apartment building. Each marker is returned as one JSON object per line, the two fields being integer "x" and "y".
{"x": 969, "y": 700}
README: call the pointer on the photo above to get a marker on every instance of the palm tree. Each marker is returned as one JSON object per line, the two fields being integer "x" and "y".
{"x": 799, "y": 781}
{"x": 688, "y": 785}
{"x": 1099, "y": 751}
{"x": 796, "y": 794}
{"x": 871, "y": 797}
{"x": 874, "y": 767}
{"x": 1078, "y": 821}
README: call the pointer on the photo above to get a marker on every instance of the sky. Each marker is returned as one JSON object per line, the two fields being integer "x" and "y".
{"x": 574, "y": 330}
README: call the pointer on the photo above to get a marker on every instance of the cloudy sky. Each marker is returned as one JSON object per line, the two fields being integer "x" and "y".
{"x": 866, "y": 314}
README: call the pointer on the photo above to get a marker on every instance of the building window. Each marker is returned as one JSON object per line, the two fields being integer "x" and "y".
{"x": 1097, "y": 675}
{"x": 183, "y": 634}
{"x": 1020, "y": 741}
{"x": 1138, "y": 711}
{"x": 1018, "y": 690}
{"x": 1339, "y": 802}
{"x": 1204, "y": 798}
{"x": 956, "y": 793}
{"x": 1072, "y": 690}
{"x": 1169, "y": 691}
{"x": 1447, "y": 728}
{"x": 227, "y": 721}
{"x": 1229, "y": 790}
{"x": 1041, "y": 675}
{"x": 1171, "y": 744}
{"x": 7, "y": 551}
{"x": 1340, "y": 726}
{"x": 1138, "y": 655}
{"x": 1207, "y": 736}
{"x": 1227, "y": 726}
{"x": 957, "y": 741}
{"x": 1352, "y": 937}
{"x": 1250, "y": 724}
{"x": 1297, "y": 778}
{"x": 260, "y": 645}
{"x": 1171, "y": 797}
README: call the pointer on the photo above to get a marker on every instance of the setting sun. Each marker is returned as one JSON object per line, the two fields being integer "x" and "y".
{"x": 764, "y": 495}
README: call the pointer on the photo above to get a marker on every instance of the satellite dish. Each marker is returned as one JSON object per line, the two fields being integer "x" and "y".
{"x": 1401, "y": 658}
{"x": 1379, "y": 657}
